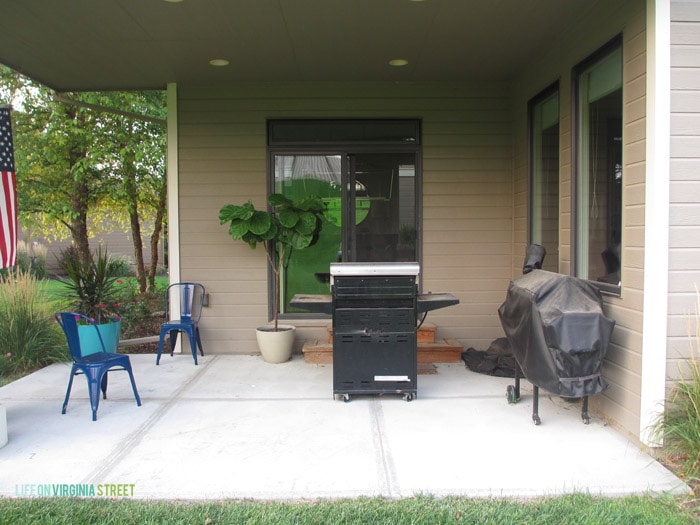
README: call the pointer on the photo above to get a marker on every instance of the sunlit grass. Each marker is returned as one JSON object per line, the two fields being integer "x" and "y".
{"x": 579, "y": 509}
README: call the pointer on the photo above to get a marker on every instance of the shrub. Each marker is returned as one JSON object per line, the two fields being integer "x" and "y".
{"x": 91, "y": 285}
{"x": 121, "y": 265}
{"x": 141, "y": 313}
{"x": 29, "y": 259}
{"x": 29, "y": 336}
{"x": 679, "y": 424}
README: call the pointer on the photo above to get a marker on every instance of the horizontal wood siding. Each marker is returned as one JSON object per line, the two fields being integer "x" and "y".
{"x": 116, "y": 243}
{"x": 622, "y": 368}
{"x": 467, "y": 194}
{"x": 684, "y": 233}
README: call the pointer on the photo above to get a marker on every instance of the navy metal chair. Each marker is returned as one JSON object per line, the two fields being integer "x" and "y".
{"x": 191, "y": 303}
{"x": 95, "y": 365}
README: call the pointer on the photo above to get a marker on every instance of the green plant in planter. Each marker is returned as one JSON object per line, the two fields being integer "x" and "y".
{"x": 90, "y": 285}
{"x": 287, "y": 227}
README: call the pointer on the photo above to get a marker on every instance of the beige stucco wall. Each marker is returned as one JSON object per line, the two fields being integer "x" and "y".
{"x": 467, "y": 195}
{"x": 684, "y": 232}
{"x": 621, "y": 402}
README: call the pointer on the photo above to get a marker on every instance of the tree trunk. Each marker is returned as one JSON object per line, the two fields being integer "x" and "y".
{"x": 132, "y": 197}
{"x": 80, "y": 196}
{"x": 157, "y": 231}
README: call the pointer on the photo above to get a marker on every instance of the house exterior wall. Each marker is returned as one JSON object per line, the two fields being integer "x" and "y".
{"x": 116, "y": 243}
{"x": 467, "y": 195}
{"x": 622, "y": 369}
{"x": 684, "y": 227}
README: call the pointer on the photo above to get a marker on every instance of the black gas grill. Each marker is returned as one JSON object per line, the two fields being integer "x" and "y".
{"x": 375, "y": 309}
{"x": 374, "y": 329}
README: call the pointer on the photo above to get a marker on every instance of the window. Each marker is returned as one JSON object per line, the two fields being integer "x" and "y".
{"x": 543, "y": 114}
{"x": 367, "y": 173}
{"x": 598, "y": 211}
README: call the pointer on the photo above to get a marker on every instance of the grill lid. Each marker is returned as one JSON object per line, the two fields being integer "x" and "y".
{"x": 364, "y": 269}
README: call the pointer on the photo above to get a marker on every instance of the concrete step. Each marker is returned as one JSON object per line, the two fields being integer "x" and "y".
{"x": 442, "y": 351}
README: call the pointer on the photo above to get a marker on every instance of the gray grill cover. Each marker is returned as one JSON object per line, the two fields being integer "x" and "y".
{"x": 559, "y": 335}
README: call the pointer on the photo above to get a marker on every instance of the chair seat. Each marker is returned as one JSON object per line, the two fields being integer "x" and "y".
{"x": 95, "y": 366}
{"x": 191, "y": 298}
{"x": 102, "y": 358}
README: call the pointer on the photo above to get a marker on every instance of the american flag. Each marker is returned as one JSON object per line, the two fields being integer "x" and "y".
{"x": 8, "y": 193}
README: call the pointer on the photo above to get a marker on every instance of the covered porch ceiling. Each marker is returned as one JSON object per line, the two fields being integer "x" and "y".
{"x": 86, "y": 45}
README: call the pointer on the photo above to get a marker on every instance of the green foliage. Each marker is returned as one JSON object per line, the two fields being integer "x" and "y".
{"x": 90, "y": 285}
{"x": 141, "y": 312}
{"x": 679, "y": 424}
{"x": 578, "y": 508}
{"x": 30, "y": 259}
{"x": 29, "y": 336}
{"x": 121, "y": 265}
{"x": 289, "y": 226}
{"x": 86, "y": 160}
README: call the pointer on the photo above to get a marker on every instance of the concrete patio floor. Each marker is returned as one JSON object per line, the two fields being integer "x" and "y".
{"x": 236, "y": 427}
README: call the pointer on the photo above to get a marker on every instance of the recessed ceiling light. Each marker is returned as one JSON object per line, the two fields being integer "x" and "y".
{"x": 398, "y": 62}
{"x": 218, "y": 62}
{"x": 178, "y": 1}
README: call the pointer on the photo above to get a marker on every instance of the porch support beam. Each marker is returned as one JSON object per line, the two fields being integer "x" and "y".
{"x": 656, "y": 216}
{"x": 173, "y": 179}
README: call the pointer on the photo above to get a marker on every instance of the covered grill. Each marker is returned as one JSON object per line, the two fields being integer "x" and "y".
{"x": 559, "y": 335}
{"x": 375, "y": 309}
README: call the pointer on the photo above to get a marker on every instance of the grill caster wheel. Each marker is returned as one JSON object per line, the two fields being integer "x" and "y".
{"x": 408, "y": 397}
{"x": 536, "y": 419}
{"x": 586, "y": 420}
{"x": 346, "y": 398}
{"x": 511, "y": 395}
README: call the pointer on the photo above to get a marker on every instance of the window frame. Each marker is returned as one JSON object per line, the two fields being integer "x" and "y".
{"x": 346, "y": 148}
{"x": 542, "y": 96}
{"x": 596, "y": 57}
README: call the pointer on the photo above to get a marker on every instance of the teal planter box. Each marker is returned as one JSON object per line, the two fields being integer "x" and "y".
{"x": 90, "y": 342}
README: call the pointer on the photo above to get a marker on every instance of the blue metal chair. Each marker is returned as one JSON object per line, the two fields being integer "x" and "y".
{"x": 96, "y": 365}
{"x": 191, "y": 303}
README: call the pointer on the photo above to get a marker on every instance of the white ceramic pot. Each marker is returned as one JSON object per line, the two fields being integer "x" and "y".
{"x": 276, "y": 347}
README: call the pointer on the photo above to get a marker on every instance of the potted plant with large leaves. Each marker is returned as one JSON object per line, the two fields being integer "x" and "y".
{"x": 91, "y": 289}
{"x": 286, "y": 227}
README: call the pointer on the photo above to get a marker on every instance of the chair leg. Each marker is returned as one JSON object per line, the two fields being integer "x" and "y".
{"x": 94, "y": 386}
{"x": 70, "y": 385}
{"x": 193, "y": 346}
{"x": 104, "y": 385}
{"x": 161, "y": 340}
{"x": 133, "y": 384}
{"x": 173, "y": 340}
{"x": 199, "y": 341}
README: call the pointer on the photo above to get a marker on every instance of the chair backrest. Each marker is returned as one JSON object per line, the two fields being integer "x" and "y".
{"x": 191, "y": 301}
{"x": 69, "y": 323}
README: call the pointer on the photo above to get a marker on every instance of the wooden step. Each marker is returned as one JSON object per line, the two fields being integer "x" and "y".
{"x": 442, "y": 351}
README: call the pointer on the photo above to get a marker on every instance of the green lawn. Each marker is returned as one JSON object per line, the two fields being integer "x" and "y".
{"x": 576, "y": 509}
{"x": 54, "y": 287}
